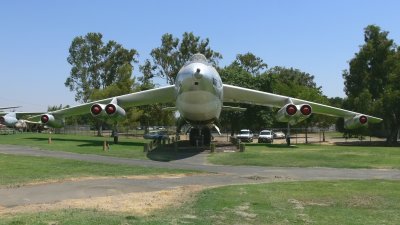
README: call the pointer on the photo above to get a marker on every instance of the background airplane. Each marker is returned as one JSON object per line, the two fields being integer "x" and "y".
{"x": 198, "y": 95}
{"x": 13, "y": 119}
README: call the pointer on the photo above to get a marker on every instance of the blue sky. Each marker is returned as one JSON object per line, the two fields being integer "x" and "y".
{"x": 317, "y": 37}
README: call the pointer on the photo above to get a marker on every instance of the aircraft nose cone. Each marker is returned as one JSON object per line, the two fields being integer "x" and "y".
{"x": 197, "y": 74}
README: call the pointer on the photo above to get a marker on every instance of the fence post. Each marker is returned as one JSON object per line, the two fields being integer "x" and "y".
{"x": 212, "y": 147}
{"x": 242, "y": 147}
{"x": 146, "y": 147}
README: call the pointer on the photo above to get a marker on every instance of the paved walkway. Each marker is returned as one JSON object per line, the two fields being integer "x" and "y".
{"x": 220, "y": 175}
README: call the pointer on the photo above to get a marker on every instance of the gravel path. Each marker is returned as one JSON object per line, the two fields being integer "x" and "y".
{"x": 220, "y": 175}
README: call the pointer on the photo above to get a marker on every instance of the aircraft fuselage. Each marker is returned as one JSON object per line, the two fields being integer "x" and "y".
{"x": 199, "y": 92}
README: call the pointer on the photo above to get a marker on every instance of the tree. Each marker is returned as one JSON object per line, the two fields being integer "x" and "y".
{"x": 148, "y": 71}
{"x": 251, "y": 63}
{"x": 96, "y": 66}
{"x": 370, "y": 82}
{"x": 238, "y": 73}
{"x": 151, "y": 114}
{"x": 173, "y": 54}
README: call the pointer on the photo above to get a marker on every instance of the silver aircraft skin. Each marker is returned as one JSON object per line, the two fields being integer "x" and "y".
{"x": 199, "y": 95}
{"x": 199, "y": 91}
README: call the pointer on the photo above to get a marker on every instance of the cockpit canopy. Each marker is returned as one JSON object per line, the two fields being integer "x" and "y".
{"x": 198, "y": 58}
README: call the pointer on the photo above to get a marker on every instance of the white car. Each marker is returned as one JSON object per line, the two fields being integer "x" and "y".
{"x": 265, "y": 136}
{"x": 245, "y": 135}
{"x": 279, "y": 135}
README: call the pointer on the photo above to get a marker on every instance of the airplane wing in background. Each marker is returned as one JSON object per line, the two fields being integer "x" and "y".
{"x": 10, "y": 107}
{"x": 19, "y": 114}
{"x": 244, "y": 95}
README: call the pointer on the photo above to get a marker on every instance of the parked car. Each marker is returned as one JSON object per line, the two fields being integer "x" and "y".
{"x": 245, "y": 135}
{"x": 265, "y": 136}
{"x": 279, "y": 135}
{"x": 160, "y": 134}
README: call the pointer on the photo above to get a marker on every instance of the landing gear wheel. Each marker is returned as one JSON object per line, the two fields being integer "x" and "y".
{"x": 206, "y": 132}
{"x": 193, "y": 135}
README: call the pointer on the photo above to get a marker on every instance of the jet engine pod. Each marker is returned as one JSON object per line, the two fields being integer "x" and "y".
{"x": 51, "y": 121}
{"x": 356, "y": 122}
{"x": 294, "y": 113}
{"x": 287, "y": 111}
{"x": 97, "y": 110}
{"x": 115, "y": 111}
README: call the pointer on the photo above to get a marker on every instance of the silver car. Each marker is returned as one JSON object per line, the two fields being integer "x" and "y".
{"x": 265, "y": 136}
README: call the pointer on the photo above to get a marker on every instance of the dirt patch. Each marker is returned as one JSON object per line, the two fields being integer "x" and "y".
{"x": 141, "y": 203}
{"x": 74, "y": 179}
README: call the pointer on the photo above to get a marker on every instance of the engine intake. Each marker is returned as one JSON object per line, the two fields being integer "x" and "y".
{"x": 51, "y": 121}
{"x": 97, "y": 110}
{"x": 294, "y": 113}
{"x": 115, "y": 111}
{"x": 356, "y": 122}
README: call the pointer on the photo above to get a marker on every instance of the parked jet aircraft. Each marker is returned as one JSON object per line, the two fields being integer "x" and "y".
{"x": 199, "y": 95}
{"x": 12, "y": 119}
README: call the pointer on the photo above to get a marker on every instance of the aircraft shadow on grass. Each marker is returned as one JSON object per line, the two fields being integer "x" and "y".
{"x": 167, "y": 152}
{"x": 161, "y": 153}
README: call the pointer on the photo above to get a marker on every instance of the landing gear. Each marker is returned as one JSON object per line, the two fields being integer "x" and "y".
{"x": 194, "y": 135}
{"x": 206, "y": 132}
{"x": 114, "y": 134}
{"x": 200, "y": 137}
{"x": 288, "y": 135}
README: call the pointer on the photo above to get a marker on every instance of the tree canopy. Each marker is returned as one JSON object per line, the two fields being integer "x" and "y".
{"x": 96, "y": 65}
{"x": 173, "y": 54}
{"x": 371, "y": 82}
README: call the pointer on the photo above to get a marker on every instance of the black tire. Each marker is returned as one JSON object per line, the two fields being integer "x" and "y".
{"x": 193, "y": 135}
{"x": 206, "y": 132}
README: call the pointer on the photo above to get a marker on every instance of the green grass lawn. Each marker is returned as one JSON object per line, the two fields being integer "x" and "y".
{"x": 126, "y": 148}
{"x": 17, "y": 170}
{"x": 312, "y": 156}
{"x": 317, "y": 202}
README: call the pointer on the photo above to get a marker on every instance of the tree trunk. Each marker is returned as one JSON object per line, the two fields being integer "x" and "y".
{"x": 392, "y": 136}
{"x": 99, "y": 129}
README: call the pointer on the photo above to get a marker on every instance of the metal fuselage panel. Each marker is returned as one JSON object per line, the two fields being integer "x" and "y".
{"x": 199, "y": 93}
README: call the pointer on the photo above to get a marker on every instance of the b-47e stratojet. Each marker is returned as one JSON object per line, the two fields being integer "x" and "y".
{"x": 199, "y": 96}
{"x": 13, "y": 119}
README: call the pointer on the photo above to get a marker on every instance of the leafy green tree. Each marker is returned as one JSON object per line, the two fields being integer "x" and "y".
{"x": 96, "y": 65}
{"x": 99, "y": 70}
{"x": 370, "y": 82}
{"x": 255, "y": 117}
{"x": 251, "y": 63}
{"x": 151, "y": 114}
{"x": 148, "y": 71}
{"x": 173, "y": 54}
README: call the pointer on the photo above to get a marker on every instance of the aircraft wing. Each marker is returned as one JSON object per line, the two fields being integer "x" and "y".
{"x": 249, "y": 96}
{"x": 19, "y": 114}
{"x": 153, "y": 96}
{"x": 10, "y": 107}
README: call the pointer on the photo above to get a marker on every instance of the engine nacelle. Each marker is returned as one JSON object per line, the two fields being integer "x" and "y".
{"x": 355, "y": 122}
{"x": 115, "y": 111}
{"x": 49, "y": 120}
{"x": 293, "y": 114}
{"x": 9, "y": 121}
{"x": 98, "y": 110}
